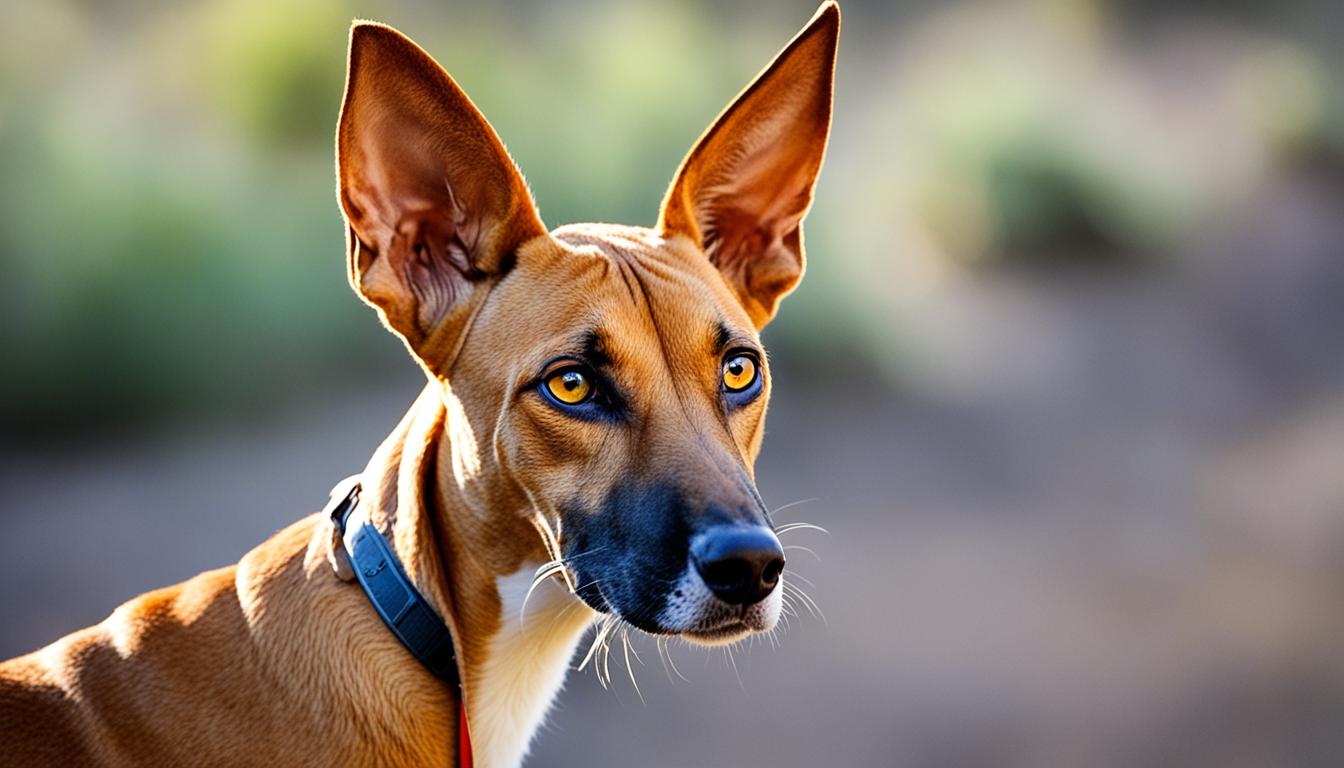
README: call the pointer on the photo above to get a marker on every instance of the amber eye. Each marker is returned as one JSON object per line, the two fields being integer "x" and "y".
{"x": 569, "y": 387}
{"x": 739, "y": 372}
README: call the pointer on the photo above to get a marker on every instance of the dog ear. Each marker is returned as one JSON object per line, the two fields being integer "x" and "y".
{"x": 435, "y": 207}
{"x": 742, "y": 192}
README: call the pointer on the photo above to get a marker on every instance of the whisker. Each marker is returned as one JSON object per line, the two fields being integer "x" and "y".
{"x": 790, "y": 527}
{"x": 599, "y": 650}
{"x": 589, "y": 655}
{"x": 673, "y": 665}
{"x": 592, "y": 551}
{"x": 801, "y": 548}
{"x": 602, "y": 629}
{"x": 606, "y": 654}
{"x": 659, "y": 644}
{"x": 728, "y": 652}
{"x": 543, "y": 573}
{"x": 802, "y": 578}
{"x": 792, "y": 504}
{"x": 548, "y": 537}
{"x": 807, "y": 601}
{"x": 625, "y": 642}
{"x": 633, "y": 649}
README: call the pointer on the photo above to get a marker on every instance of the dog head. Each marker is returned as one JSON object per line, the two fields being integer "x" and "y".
{"x": 605, "y": 383}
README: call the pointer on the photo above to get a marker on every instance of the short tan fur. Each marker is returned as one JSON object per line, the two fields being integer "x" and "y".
{"x": 276, "y": 660}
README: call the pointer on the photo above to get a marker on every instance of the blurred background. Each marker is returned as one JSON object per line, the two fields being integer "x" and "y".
{"x": 1065, "y": 381}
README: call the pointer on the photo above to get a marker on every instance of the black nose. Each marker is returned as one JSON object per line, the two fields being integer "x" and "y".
{"x": 739, "y": 564}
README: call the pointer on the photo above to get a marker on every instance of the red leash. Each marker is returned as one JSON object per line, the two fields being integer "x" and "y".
{"x": 463, "y": 738}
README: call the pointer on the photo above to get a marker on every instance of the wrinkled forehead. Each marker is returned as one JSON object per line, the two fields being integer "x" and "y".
{"x": 623, "y": 289}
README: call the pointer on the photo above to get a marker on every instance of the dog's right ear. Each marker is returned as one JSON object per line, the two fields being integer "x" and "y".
{"x": 434, "y": 205}
{"x": 742, "y": 192}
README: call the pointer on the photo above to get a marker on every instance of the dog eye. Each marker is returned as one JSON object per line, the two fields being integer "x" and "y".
{"x": 570, "y": 387}
{"x": 739, "y": 372}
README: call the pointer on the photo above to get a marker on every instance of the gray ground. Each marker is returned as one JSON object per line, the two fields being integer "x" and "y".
{"x": 1119, "y": 542}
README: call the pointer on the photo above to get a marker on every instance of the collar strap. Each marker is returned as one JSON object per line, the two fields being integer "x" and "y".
{"x": 405, "y": 611}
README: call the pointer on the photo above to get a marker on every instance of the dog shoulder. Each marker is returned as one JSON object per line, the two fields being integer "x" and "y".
{"x": 158, "y": 676}
{"x": 40, "y": 726}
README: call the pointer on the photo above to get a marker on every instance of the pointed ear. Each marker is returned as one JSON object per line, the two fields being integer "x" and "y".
{"x": 435, "y": 207}
{"x": 742, "y": 192}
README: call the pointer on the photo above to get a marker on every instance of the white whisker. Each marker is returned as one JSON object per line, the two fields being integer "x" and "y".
{"x": 543, "y": 573}
{"x": 606, "y": 657}
{"x": 806, "y": 600}
{"x": 790, "y": 527}
{"x": 625, "y": 642}
{"x": 802, "y": 578}
{"x": 728, "y": 652}
{"x": 602, "y": 629}
{"x": 801, "y": 548}
{"x": 673, "y": 665}
{"x": 792, "y": 504}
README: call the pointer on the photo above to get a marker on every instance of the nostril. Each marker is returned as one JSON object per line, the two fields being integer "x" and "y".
{"x": 731, "y": 574}
{"x": 770, "y": 576}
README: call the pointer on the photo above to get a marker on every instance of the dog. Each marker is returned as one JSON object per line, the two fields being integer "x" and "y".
{"x": 582, "y": 452}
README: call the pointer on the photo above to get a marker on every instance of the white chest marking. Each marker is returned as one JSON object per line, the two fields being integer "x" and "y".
{"x": 525, "y": 667}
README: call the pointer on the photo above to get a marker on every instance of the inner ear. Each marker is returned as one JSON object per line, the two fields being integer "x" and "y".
{"x": 743, "y": 190}
{"x": 435, "y": 206}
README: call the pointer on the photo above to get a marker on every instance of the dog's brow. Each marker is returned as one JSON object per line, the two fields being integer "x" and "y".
{"x": 725, "y": 337}
{"x": 591, "y": 346}
{"x": 722, "y": 336}
{"x": 588, "y": 344}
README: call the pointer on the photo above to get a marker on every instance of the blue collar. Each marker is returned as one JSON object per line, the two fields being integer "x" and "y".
{"x": 405, "y": 611}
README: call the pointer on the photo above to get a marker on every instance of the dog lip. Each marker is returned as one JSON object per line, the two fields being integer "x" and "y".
{"x": 725, "y": 632}
{"x": 722, "y": 635}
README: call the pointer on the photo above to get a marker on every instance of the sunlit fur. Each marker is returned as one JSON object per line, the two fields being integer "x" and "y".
{"x": 502, "y": 505}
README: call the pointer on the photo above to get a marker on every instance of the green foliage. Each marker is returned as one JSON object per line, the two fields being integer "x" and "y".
{"x": 276, "y": 68}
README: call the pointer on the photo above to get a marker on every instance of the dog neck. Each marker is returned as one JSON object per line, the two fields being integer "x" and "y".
{"x": 475, "y": 564}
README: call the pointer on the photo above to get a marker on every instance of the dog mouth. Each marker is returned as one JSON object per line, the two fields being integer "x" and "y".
{"x": 723, "y": 634}
{"x": 702, "y": 620}
{"x": 729, "y": 626}
{"x": 684, "y": 606}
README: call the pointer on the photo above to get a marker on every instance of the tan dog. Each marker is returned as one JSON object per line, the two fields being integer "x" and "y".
{"x": 595, "y": 403}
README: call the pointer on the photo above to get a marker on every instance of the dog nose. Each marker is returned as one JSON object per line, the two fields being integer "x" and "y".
{"x": 740, "y": 565}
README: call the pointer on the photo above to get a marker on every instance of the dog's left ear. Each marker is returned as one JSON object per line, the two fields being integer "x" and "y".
{"x": 436, "y": 208}
{"x": 742, "y": 192}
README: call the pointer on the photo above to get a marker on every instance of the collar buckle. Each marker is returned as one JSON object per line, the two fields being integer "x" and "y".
{"x": 344, "y": 499}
